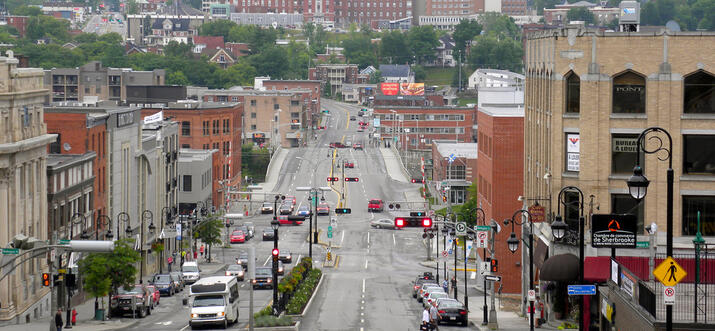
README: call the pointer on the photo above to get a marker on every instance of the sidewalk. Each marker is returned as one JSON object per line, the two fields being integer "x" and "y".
{"x": 274, "y": 169}
{"x": 392, "y": 163}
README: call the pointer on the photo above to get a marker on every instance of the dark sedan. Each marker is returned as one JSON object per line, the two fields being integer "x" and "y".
{"x": 286, "y": 209}
{"x": 285, "y": 256}
{"x": 452, "y": 311}
{"x": 165, "y": 284}
{"x": 267, "y": 234}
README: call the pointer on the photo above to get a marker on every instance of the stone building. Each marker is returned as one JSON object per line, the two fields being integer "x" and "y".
{"x": 23, "y": 187}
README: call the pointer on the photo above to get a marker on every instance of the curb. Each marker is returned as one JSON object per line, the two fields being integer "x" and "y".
{"x": 307, "y": 305}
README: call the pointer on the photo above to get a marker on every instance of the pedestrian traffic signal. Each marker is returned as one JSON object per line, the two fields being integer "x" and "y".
{"x": 342, "y": 210}
{"x": 333, "y": 179}
{"x": 417, "y": 213}
{"x": 494, "y": 265}
{"x": 46, "y": 279}
{"x": 352, "y": 179}
{"x": 275, "y": 252}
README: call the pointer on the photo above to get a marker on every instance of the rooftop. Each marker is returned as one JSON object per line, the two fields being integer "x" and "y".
{"x": 394, "y": 70}
{"x": 61, "y": 161}
{"x": 497, "y": 111}
{"x": 465, "y": 150}
{"x": 188, "y": 155}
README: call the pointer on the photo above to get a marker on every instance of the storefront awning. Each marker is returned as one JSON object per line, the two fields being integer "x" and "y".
{"x": 596, "y": 269}
{"x": 560, "y": 268}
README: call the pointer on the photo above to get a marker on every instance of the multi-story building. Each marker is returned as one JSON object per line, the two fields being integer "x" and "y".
{"x": 17, "y": 22}
{"x": 589, "y": 98}
{"x": 195, "y": 177}
{"x": 310, "y": 91}
{"x": 170, "y": 29}
{"x": 140, "y": 27}
{"x": 453, "y": 178}
{"x": 80, "y": 132}
{"x": 287, "y": 20}
{"x": 413, "y": 128}
{"x": 93, "y": 82}
{"x": 396, "y": 73}
{"x": 318, "y": 11}
{"x": 559, "y": 14}
{"x": 485, "y": 80}
{"x": 500, "y": 180}
{"x": 209, "y": 125}
{"x": 23, "y": 187}
{"x": 333, "y": 76}
{"x": 370, "y": 12}
{"x": 513, "y": 7}
{"x": 453, "y": 7}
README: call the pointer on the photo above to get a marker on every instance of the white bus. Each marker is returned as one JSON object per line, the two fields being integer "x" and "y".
{"x": 214, "y": 300}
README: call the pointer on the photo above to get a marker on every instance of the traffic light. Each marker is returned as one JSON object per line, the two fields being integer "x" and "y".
{"x": 342, "y": 210}
{"x": 352, "y": 179}
{"x": 414, "y": 222}
{"x": 426, "y": 222}
{"x": 333, "y": 179}
{"x": 494, "y": 265}
{"x": 275, "y": 253}
{"x": 46, "y": 279}
{"x": 417, "y": 213}
{"x": 400, "y": 222}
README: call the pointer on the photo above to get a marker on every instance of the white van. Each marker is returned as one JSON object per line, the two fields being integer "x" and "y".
{"x": 190, "y": 271}
{"x": 214, "y": 300}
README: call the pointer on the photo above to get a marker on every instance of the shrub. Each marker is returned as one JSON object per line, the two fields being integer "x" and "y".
{"x": 303, "y": 292}
{"x": 268, "y": 311}
{"x": 270, "y": 320}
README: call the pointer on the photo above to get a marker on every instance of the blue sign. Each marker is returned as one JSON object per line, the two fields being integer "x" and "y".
{"x": 582, "y": 289}
{"x": 452, "y": 158}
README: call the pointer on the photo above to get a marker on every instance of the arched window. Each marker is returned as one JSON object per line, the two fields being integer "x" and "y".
{"x": 629, "y": 93}
{"x": 573, "y": 93}
{"x": 699, "y": 94}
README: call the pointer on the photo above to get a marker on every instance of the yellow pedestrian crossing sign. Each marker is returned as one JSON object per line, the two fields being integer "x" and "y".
{"x": 669, "y": 272}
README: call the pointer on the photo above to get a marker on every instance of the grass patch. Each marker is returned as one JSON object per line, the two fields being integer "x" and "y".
{"x": 438, "y": 76}
{"x": 462, "y": 102}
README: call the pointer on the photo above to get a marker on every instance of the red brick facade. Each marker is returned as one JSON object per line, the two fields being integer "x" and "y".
{"x": 500, "y": 183}
{"x": 426, "y": 124}
{"x": 82, "y": 136}
{"x": 218, "y": 127}
{"x": 19, "y": 23}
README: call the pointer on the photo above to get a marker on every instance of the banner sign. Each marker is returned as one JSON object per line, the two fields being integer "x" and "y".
{"x": 538, "y": 213}
{"x": 158, "y": 117}
{"x": 573, "y": 149}
{"x": 412, "y": 88}
{"x": 614, "y": 230}
{"x": 390, "y": 88}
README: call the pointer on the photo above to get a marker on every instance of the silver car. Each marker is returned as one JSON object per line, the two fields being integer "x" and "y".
{"x": 383, "y": 223}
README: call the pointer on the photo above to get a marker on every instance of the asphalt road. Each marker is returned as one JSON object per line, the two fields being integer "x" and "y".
{"x": 96, "y": 25}
{"x": 370, "y": 289}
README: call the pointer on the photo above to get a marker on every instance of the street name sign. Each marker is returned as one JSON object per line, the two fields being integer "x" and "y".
{"x": 642, "y": 244}
{"x": 461, "y": 228}
{"x": 669, "y": 272}
{"x": 64, "y": 242}
{"x": 482, "y": 228}
{"x": 493, "y": 278}
{"x": 614, "y": 230}
{"x": 10, "y": 251}
{"x": 582, "y": 289}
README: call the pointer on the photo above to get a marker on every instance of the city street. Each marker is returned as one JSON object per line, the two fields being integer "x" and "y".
{"x": 95, "y": 24}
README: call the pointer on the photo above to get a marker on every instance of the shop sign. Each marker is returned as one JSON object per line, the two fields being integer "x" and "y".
{"x": 613, "y": 230}
{"x": 538, "y": 213}
{"x": 627, "y": 284}
{"x": 628, "y": 145}
{"x": 573, "y": 150}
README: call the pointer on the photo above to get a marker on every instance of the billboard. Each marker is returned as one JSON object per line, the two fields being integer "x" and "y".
{"x": 412, "y": 88}
{"x": 390, "y": 88}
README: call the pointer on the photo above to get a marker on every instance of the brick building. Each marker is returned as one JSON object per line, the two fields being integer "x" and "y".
{"x": 460, "y": 174}
{"x": 416, "y": 127}
{"x": 80, "y": 133}
{"x": 310, "y": 91}
{"x": 333, "y": 76}
{"x": 208, "y": 125}
{"x": 17, "y": 22}
{"x": 514, "y": 7}
{"x": 312, "y": 11}
{"x": 453, "y": 7}
{"x": 500, "y": 180}
{"x": 370, "y": 12}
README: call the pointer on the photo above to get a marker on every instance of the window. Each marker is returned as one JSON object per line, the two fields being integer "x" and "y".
{"x": 699, "y": 94}
{"x": 295, "y": 102}
{"x": 573, "y": 93}
{"x": 215, "y": 126}
{"x": 705, "y": 204}
{"x": 573, "y": 147}
{"x": 186, "y": 128}
{"x": 699, "y": 155}
{"x": 276, "y": 106}
{"x": 253, "y": 115}
{"x": 625, "y": 204}
{"x": 253, "y": 102}
{"x": 187, "y": 146}
{"x": 629, "y": 94}
{"x": 215, "y": 146}
{"x": 294, "y": 115}
{"x": 186, "y": 185}
{"x": 456, "y": 172}
{"x": 571, "y": 211}
{"x": 56, "y": 146}
{"x": 226, "y": 147}
{"x": 226, "y": 126}
{"x": 623, "y": 153}
{"x": 205, "y": 146}
{"x": 253, "y": 127}
{"x": 206, "y": 128}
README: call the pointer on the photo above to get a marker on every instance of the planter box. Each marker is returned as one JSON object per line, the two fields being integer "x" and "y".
{"x": 312, "y": 296}
{"x": 295, "y": 327}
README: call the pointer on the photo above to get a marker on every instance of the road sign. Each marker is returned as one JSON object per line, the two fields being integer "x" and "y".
{"x": 532, "y": 295}
{"x": 482, "y": 228}
{"x": 482, "y": 241}
{"x": 582, "y": 289}
{"x": 330, "y": 231}
{"x": 484, "y": 268}
{"x": 61, "y": 271}
{"x": 642, "y": 244}
{"x": 614, "y": 230}
{"x": 461, "y": 228}
{"x": 669, "y": 295}
{"x": 669, "y": 272}
{"x": 64, "y": 242}
{"x": 10, "y": 251}
{"x": 493, "y": 278}
{"x": 445, "y": 254}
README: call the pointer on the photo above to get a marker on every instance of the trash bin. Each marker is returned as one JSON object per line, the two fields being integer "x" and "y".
{"x": 99, "y": 314}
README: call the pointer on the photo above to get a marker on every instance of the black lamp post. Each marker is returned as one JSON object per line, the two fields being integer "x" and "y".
{"x": 123, "y": 217}
{"x": 513, "y": 244}
{"x": 165, "y": 220}
{"x": 73, "y": 220}
{"x": 200, "y": 205}
{"x": 102, "y": 220}
{"x": 558, "y": 229}
{"x": 485, "y": 319}
{"x": 146, "y": 214}
{"x": 275, "y": 224}
{"x": 638, "y": 188}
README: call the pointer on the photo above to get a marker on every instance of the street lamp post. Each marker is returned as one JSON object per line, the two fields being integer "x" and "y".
{"x": 485, "y": 319}
{"x": 123, "y": 217}
{"x": 559, "y": 227}
{"x": 102, "y": 220}
{"x": 638, "y": 188}
{"x": 275, "y": 224}
{"x": 199, "y": 212}
{"x": 73, "y": 220}
{"x": 165, "y": 220}
{"x": 513, "y": 244}
{"x": 146, "y": 214}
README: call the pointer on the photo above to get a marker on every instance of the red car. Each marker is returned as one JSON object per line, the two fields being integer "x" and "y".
{"x": 375, "y": 205}
{"x": 323, "y": 209}
{"x": 156, "y": 295}
{"x": 337, "y": 145}
{"x": 349, "y": 165}
{"x": 238, "y": 237}
{"x": 357, "y": 146}
{"x": 290, "y": 220}
{"x": 362, "y": 123}
{"x": 290, "y": 198}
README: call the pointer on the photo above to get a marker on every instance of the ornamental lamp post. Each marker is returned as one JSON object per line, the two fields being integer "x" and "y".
{"x": 146, "y": 214}
{"x": 513, "y": 245}
{"x": 81, "y": 220}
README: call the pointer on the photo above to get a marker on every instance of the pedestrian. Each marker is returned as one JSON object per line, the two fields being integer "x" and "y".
{"x": 434, "y": 317}
{"x": 170, "y": 261}
{"x": 74, "y": 316}
{"x": 454, "y": 283}
{"x": 183, "y": 255}
{"x": 445, "y": 285}
{"x": 539, "y": 312}
{"x": 425, "y": 320}
{"x": 202, "y": 250}
{"x": 58, "y": 320}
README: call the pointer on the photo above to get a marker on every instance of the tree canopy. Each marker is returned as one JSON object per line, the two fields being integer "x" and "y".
{"x": 490, "y": 52}
{"x": 464, "y": 32}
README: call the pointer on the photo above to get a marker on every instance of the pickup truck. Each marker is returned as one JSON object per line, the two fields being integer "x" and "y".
{"x": 375, "y": 205}
{"x": 137, "y": 299}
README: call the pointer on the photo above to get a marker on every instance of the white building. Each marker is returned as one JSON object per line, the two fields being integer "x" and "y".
{"x": 498, "y": 88}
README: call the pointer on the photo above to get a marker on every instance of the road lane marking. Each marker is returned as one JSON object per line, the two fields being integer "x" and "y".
{"x": 267, "y": 259}
{"x": 363, "y": 284}
{"x": 299, "y": 255}
{"x": 368, "y": 238}
{"x": 394, "y": 241}
{"x": 342, "y": 237}
{"x": 365, "y": 263}
{"x": 184, "y": 328}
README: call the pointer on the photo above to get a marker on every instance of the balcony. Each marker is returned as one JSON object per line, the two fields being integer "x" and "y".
{"x": 174, "y": 182}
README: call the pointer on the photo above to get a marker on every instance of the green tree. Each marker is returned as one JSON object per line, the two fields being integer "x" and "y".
{"x": 273, "y": 62}
{"x": 132, "y": 7}
{"x": 177, "y": 78}
{"x": 422, "y": 42}
{"x": 490, "y": 52}
{"x": 375, "y": 77}
{"x": 358, "y": 49}
{"x": 500, "y": 25}
{"x": 121, "y": 264}
{"x": 177, "y": 49}
{"x": 93, "y": 269}
{"x": 393, "y": 47}
{"x": 548, "y": 4}
{"x": 209, "y": 231}
{"x": 27, "y": 11}
{"x": 580, "y": 14}
{"x": 464, "y": 32}
{"x": 420, "y": 73}
{"x": 217, "y": 28}
{"x": 241, "y": 74}
{"x": 47, "y": 26}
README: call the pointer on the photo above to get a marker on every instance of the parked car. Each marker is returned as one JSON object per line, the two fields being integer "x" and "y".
{"x": 267, "y": 207}
{"x": 248, "y": 233}
{"x": 303, "y": 210}
{"x": 264, "y": 278}
{"x": 375, "y": 205}
{"x": 267, "y": 234}
{"x": 237, "y": 236}
{"x": 235, "y": 270}
{"x": 452, "y": 311}
{"x": 417, "y": 285}
{"x": 285, "y": 256}
{"x": 137, "y": 299}
{"x": 251, "y": 229}
{"x": 357, "y": 146}
{"x": 349, "y": 164}
{"x": 323, "y": 209}
{"x": 286, "y": 209}
{"x": 433, "y": 296}
{"x": 165, "y": 284}
{"x": 425, "y": 286}
{"x": 178, "y": 279}
{"x": 383, "y": 223}
{"x": 155, "y": 295}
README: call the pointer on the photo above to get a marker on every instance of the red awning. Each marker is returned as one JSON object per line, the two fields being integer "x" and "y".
{"x": 596, "y": 269}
